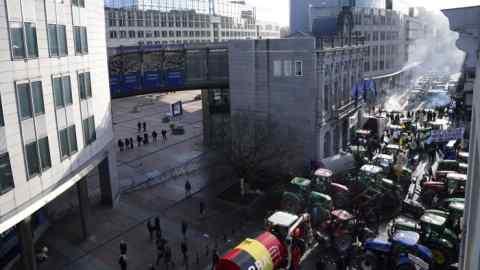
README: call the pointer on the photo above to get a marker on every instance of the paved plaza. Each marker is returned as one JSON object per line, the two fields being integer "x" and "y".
{"x": 223, "y": 224}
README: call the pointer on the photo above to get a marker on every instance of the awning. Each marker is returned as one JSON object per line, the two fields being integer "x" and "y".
{"x": 405, "y": 68}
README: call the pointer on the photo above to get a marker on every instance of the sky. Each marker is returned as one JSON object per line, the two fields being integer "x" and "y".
{"x": 277, "y": 10}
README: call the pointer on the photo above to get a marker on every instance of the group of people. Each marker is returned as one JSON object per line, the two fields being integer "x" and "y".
{"x": 128, "y": 143}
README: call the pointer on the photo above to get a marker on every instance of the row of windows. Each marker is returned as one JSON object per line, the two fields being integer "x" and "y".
{"x": 6, "y": 177}
{"x": 284, "y": 68}
{"x": 382, "y": 35}
{"x": 23, "y": 38}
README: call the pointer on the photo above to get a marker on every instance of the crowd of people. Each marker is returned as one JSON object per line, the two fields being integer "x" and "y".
{"x": 128, "y": 143}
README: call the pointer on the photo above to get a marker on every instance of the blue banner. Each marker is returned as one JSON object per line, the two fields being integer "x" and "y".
{"x": 175, "y": 78}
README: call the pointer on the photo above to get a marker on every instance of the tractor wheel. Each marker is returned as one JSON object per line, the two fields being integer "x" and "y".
{"x": 389, "y": 205}
{"x": 427, "y": 198}
{"x": 406, "y": 266}
{"x": 343, "y": 243}
{"x": 319, "y": 215}
{"x": 341, "y": 200}
{"x": 367, "y": 261}
{"x": 291, "y": 204}
{"x": 441, "y": 256}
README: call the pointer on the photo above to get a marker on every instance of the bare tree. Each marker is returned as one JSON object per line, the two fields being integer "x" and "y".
{"x": 256, "y": 148}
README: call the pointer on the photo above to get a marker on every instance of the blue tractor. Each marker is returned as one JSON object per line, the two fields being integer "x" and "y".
{"x": 402, "y": 252}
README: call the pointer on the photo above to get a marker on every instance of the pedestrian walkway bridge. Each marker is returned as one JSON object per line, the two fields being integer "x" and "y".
{"x": 160, "y": 68}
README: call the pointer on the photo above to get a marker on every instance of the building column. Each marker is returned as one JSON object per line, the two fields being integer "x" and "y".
{"x": 108, "y": 180}
{"x": 84, "y": 206}
{"x": 27, "y": 248}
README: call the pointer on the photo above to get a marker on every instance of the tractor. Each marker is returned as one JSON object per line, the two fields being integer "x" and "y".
{"x": 435, "y": 191}
{"x": 434, "y": 234}
{"x": 402, "y": 252}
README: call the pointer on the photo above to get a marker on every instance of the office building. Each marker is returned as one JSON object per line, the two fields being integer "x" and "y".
{"x": 179, "y": 22}
{"x": 465, "y": 21}
{"x": 55, "y": 120}
{"x": 304, "y": 87}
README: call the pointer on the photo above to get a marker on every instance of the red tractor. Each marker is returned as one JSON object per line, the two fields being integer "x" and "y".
{"x": 287, "y": 239}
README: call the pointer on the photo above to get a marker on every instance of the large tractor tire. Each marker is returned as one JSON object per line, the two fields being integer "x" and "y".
{"x": 426, "y": 198}
{"x": 292, "y": 203}
{"x": 341, "y": 200}
{"x": 441, "y": 256}
{"x": 319, "y": 215}
{"x": 406, "y": 266}
{"x": 367, "y": 261}
{"x": 390, "y": 205}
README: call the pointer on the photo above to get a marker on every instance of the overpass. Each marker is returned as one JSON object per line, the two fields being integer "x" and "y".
{"x": 137, "y": 70}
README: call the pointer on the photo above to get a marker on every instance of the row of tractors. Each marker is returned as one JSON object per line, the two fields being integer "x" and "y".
{"x": 376, "y": 216}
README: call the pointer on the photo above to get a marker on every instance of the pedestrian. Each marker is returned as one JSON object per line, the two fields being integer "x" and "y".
{"x": 120, "y": 145}
{"x": 122, "y": 261}
{"x": 188, "y": 189}
{"x": 150, "y": 228}
{"x": 131, "y": 142}
{"x": 145, "y": 138}
{"x": 164, "y": 135}
{"x": 139, "y": 140}
{"x": 127, "y": 144}
{"x": 154, "y": 136}
{"x": 202, "y": 208}
{"x": 184, "y": 228}
{"x": 184, "y": 249}
{"x": 158, "y": 228}
{"x": 160, "y": 250}
{"x": 215, "y": 259}
{"x": 139, "y": 126}
{"x": 144, "y": 126}
{"x": 168, "y": 257}
{"x": 123, "y": 247}
{"x": 198, "y": 259}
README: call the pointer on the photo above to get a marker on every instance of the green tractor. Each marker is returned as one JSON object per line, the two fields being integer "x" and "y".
{"x": 435, "y": 234}
{"x": 311, "y": 195}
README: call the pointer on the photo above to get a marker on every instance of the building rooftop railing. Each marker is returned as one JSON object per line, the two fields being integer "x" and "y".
{"x": 339, "y": 42}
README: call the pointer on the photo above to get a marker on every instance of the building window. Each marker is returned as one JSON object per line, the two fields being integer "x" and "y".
{"x": 113, "y": 34}
{"x": 62, "y": 91}
{"x": 78, "y": 3}
{"x": 277, "y": 68}
{"x": 89, "y": 133}
{"x": 326, "y": 98}
{"x": 140, "y": 34}
{"x": 131, "y": 34}
{"x": 37, "y": 157}
{"x": 80, "y": 36}
{"x": 30, "y": 99}
{"x": 156, "y": 33}
{"x": 6, "y": 177}
{"x": 68, "y": 141}
{"x": 123, "y": 34}
{"x": 57, "y": 40}
{"x": 23, "y": 37}
{"x": 2, "y": 121}
{"x": 298, "y": 68}
{"x": 84, "y": 85}
{"x": 326, "y": 145}
{"x": 287, "y": 68}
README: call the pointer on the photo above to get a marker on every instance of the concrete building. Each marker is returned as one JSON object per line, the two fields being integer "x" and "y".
{"x": 303, "y": 86}
{"x": 179, "y": 22}
{"x": 389, "y": 32}
{"x": 466, "y": 22}
{"x": 55, "y": 125}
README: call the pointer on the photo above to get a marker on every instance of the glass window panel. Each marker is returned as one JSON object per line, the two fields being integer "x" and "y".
{"x": 2, "y": 122}
{"x": 37, "y": 96}
{"x": 57, "y": 92}
{"x": 64, "y": 151}
{"x": 6, "y": 177}
{"x": 85, "y": 131}
{"x": 67, "y": 90}
{"x": 52, "y": 40}
{"x": 16, "y": 37}
{"x": 78, "y": 39}
{"x": 91, "y": 129}
{"x": 88, "y": 85}
{"x": 72, "y": 139}
{"x": 31, "y": 36}
{"x": 62, "y": 40}
{"x": 33, "y": 163}
{"x": 81, "y": 85}
{"x": 84, "y": 40}
{"x": 24, "y": 101}
{"x": 44, "y": 153}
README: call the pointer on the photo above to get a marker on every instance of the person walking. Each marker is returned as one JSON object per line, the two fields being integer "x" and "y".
{"x": 122, "y": 261}
{"x": 184, "y": 229}
{"x": 154, "y": 136}
{"x": 127, "y": 144}
{"x": 202, "y": 208}
{"x": 139, "y": 126}
{"x": 215, "y": 259}
{"x": 184, "y": 249}
{"x": 120, "y": 145}
{"x": 131, "y": 142}
{"x": 145, "y": 138}
{"x": 168, "y": 257}
{"x": 160, "y": 250}
{"x": 158, "y": 228}
{"x": 123, "y": 247}
{"x": 164, "y": 135}
{"x": 188, "y": 189}
{"x": 150, "y": 228}
{"x": 144, "y": 126}
{"x": 139, "y": 140}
